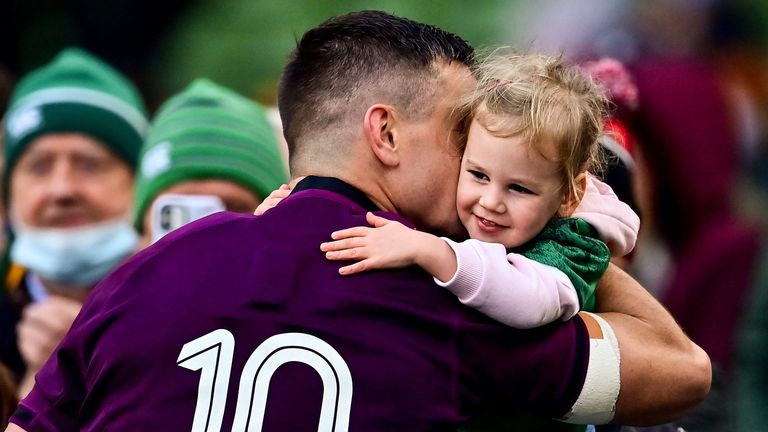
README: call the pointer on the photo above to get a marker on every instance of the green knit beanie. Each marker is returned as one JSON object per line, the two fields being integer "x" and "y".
{"x": 75, "y": 92}
{"x": 208, "y": 132}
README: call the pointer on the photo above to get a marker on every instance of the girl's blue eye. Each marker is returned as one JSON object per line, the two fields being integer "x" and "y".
{"x": 520, "y": 189}
{"x": 478, "y": 175}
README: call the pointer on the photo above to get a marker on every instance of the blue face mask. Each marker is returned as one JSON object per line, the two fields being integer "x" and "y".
{"x": 75, "y": 257}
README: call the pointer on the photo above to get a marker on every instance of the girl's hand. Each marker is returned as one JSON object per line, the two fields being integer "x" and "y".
{"x": 273, "y": 199}
{"x": 386, "y": 244}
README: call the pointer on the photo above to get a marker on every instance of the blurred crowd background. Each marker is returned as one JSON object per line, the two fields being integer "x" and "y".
{"x": 696, "y": 137}
{"x": 242, "y": 44}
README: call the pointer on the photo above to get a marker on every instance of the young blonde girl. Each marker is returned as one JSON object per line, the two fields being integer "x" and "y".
{"x": 525, "y": 197}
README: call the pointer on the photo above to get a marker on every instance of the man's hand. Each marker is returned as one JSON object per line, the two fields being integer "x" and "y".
{"x": 43, "y": 325}
{"x": 40, "y": 330}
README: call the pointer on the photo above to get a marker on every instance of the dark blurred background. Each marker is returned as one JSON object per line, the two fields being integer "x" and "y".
{"x": 242, "y": 44}
{"x": 163, "y": 45}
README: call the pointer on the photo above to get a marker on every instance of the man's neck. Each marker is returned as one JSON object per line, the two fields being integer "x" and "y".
{"x": 339, "y": 186}
{"x": 373, "y": 192}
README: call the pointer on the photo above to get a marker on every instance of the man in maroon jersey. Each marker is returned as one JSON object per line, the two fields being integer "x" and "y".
{"x": 239, "y": 322}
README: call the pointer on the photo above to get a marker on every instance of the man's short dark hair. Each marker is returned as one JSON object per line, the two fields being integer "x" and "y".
{"x": 352, "y": 58}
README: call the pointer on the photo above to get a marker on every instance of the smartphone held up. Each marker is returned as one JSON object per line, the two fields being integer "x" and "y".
{"x": 171, "y": 211}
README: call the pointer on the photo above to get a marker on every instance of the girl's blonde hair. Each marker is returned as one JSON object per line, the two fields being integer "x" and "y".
{"x": 547, "y": 102}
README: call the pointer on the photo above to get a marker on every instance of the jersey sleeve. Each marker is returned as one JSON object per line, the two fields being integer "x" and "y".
{"x": 56, "y": 400}
{"x": 539, "y": 371}
{"x": 510, "y": 288}
{"x": 59, "y": 389}
{"x": 570, "y": 245}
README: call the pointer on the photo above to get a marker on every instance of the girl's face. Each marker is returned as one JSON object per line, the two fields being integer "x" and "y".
{"x": 507, "y": 192}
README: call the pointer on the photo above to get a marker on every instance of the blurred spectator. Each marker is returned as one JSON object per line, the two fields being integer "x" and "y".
{"x": 617, "y": 142}
{"x": 688, "y": 160}
{"x": 208, "y": 140}
{"x": 72, "y": 136}
{"x": 689, "y": 151}
{"x": 8, "y": 398}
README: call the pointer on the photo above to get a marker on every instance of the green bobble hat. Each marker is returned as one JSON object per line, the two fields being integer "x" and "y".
{"x": 75, "y": 92}
{"x": 208, "y": 132}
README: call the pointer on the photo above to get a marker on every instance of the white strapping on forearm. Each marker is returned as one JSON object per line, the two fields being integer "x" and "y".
{"x": 597, "y": 402}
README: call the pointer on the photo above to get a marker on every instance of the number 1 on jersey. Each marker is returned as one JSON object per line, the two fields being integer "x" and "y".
{"x": 212, "y": 355}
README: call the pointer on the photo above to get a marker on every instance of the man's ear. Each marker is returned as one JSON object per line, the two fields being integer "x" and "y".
{"x": 379, "y": 125}
{"x": 572, "y": 200}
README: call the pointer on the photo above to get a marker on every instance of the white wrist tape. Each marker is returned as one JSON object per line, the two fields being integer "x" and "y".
{"x": 597, "y": 402}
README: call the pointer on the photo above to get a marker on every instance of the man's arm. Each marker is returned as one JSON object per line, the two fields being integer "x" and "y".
{"x": 13, "y": 428}
{"x": 663, "y": 373}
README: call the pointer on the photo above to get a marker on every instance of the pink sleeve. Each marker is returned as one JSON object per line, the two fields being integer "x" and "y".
{"x": 616, "y": 223}
{"x": 510, "y": 288}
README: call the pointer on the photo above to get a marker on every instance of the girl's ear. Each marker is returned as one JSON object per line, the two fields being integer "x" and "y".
{"x": 380, "y": 132}
{"x": 571, "y": 200}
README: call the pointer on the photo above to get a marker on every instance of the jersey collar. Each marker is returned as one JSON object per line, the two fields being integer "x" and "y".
{"x": 338, "y": 186}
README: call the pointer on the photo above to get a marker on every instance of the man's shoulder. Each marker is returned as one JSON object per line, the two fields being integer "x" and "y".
{"x": 224, "y": 221}
{"x": 225, "y": 241}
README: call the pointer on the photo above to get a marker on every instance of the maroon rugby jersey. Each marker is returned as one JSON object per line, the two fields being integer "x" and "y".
{"x": 238, "y": 322}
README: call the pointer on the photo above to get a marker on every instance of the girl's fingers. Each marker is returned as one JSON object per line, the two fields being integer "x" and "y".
{"x": 339, "y": 245}
{"x": 350, "y": 232}
{"x": 357, "y": 267}
{"x": 273, "y": 199}
{"x": 355, "y": 253}
{"x": 279, "y": 193}
{"x": 264, "y": 206}
{"x": 376, "y": 221}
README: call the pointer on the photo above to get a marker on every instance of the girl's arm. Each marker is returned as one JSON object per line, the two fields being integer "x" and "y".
{"x": 511, "y": 289}
{"x": 616, "y": 223}
{"x": 389, "y": 244}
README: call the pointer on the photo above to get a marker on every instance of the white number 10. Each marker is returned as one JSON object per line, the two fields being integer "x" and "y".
{"x": 212, "y": 355}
